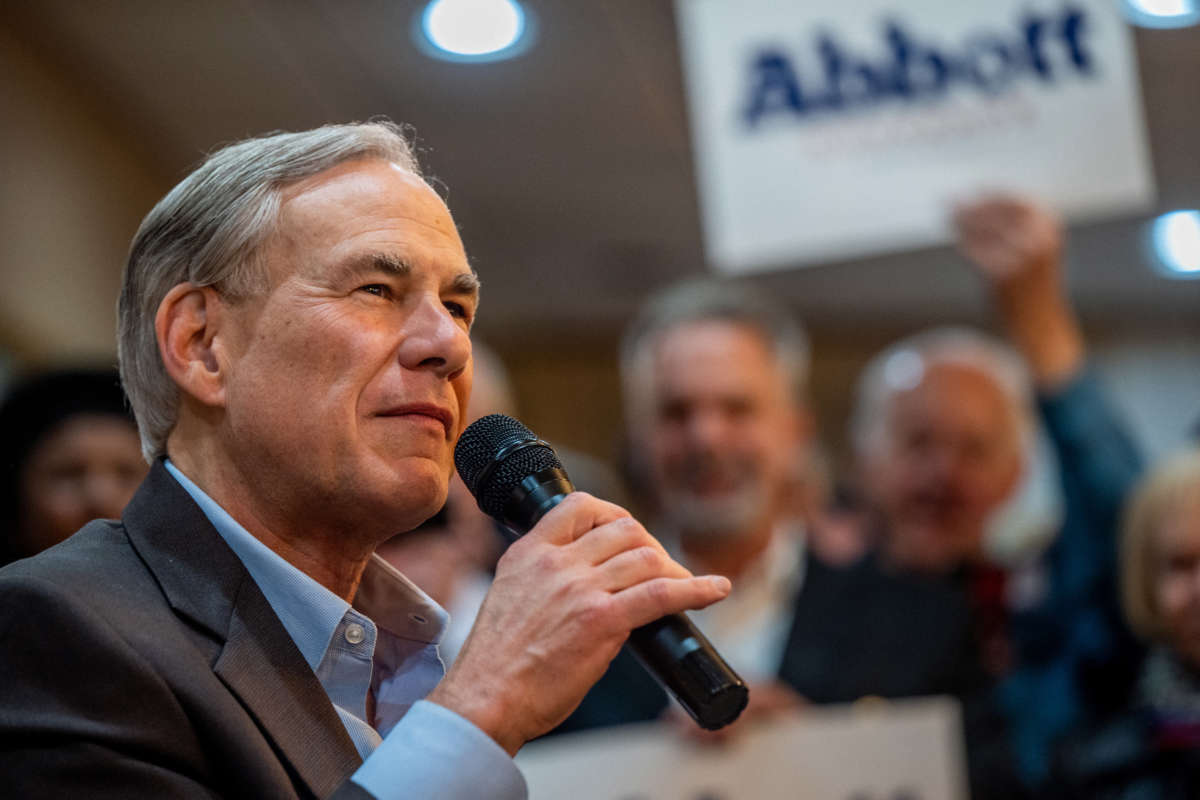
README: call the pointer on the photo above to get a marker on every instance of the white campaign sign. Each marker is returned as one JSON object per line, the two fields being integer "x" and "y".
{"x": 830, "y": 130}
{"x": 902, "y": 750}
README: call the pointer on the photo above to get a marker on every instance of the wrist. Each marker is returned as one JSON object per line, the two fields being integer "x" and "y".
{"x": 1049, "y": 337}
{"x": 482, "y": 709}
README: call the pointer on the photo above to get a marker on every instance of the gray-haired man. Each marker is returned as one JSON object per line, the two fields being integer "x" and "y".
{"x": 293, "y": 338}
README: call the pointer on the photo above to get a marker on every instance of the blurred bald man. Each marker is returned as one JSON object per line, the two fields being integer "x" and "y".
{"x": 943, "y": 432}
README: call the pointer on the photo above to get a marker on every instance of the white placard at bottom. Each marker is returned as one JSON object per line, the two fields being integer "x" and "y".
{"x": 899, "y": 750}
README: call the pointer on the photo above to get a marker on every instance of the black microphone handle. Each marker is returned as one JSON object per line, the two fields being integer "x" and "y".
{"x": 672, "y": 648}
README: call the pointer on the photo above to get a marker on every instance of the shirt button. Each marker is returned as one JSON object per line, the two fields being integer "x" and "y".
{"x": 355, "y": 633}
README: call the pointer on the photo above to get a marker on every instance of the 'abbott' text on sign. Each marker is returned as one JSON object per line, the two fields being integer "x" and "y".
{"x": 830, "y": 130}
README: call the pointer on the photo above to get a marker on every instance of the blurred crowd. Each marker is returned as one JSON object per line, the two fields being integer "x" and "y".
{"x": 998, "y": 539}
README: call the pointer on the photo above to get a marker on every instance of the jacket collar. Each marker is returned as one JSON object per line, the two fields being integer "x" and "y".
{"x": 205, "y": 583}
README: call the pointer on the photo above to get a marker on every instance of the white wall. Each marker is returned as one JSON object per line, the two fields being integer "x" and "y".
{"x": 1155, "y": 382}
{"x": 72, "y": 191}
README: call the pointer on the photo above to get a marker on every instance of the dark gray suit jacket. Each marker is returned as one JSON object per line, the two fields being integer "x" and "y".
{"x": 139, "y": 659}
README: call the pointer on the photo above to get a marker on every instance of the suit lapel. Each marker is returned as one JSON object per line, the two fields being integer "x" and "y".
{"x": 262, "y": 666}
{"x": 205, "y": 582}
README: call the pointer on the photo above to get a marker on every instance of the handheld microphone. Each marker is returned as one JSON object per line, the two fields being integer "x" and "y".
{"x": 516, "y": 478}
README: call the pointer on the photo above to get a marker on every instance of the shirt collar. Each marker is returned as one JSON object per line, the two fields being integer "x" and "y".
{"x": 311, "y": 613}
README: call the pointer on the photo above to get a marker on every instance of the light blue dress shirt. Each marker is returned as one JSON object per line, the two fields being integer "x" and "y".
{"x": 415, "y": 748}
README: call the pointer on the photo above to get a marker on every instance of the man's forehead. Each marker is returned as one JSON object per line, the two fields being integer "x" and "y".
{"x": 711, "y": 340}
{"x": 368, "y": 214}
{"x": 949, "y": 379}
{"x": 956, "y": 395}
{"x": 710, "y": 360}
{"x": 364, "y": 189}
{"x": 357, "y": 170}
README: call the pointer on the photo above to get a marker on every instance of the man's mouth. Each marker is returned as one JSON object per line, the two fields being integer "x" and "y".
{"x": 440, "y": 414}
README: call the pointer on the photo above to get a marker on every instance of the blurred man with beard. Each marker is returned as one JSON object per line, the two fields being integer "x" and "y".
{"x": 713, "y": 378}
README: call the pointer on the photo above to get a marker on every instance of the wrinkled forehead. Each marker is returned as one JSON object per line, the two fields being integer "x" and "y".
{"x": 368, "y": 199}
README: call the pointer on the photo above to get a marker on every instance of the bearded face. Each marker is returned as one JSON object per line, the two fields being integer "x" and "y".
{"x": 720, "y": 428}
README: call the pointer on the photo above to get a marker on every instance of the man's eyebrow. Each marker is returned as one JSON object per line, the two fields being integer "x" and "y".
{"x": 466, "y": 282}
{"x": 373, "y": 262}
{"x": 390, "y": 264}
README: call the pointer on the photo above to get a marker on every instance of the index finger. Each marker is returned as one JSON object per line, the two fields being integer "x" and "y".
{"x": 577, "y": 514}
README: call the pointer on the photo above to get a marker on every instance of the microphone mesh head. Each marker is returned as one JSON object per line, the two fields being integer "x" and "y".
{"x": 477, "y": 449}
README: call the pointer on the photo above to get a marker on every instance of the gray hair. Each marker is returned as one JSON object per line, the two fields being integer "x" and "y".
{"x": 209, "y": 231}
{"x": 902, "y": 366}
{"x": 711, "y": 300}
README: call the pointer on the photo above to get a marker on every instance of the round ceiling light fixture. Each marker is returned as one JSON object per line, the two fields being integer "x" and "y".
{"x": 474, "y": 30}
{"x": 1162, "y": 13}
{"x": 1175, "y": 240}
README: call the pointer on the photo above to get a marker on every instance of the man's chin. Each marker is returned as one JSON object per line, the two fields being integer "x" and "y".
{"x": 713, "y": 518}
{"x": 412, "y": 487}
{"x": 936, "y": 546}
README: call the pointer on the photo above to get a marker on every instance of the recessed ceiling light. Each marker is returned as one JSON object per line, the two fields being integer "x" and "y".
{"x": 474, "y": 30}
{"x": 1162, "y": 13}
{"x": 1175, "y": 237}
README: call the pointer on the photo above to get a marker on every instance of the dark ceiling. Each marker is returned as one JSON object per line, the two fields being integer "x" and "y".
{"x": 569, "y": 169}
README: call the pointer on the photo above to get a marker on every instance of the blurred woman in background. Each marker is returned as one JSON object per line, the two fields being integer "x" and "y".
{"x": 69, "y": 453}
{"x": 1152, "y": 750}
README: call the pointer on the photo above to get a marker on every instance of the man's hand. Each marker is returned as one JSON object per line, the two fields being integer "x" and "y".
{"x": 1017, "y": 247}
{"x": 565, "y": 598}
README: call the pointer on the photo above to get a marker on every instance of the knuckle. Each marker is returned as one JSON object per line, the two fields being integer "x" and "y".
{"x": 628, "y": 526}
{"x": 649, "y": 557}
{"x": 572, "y": 505}
{"x": 659, "y": 592}
{"x": 596, "y": 611}
{"x": 548, "y": 560}
{"x": 578, "y": 499}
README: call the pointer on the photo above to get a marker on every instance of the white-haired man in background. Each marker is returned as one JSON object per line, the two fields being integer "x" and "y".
{"x": 943, "y": 434}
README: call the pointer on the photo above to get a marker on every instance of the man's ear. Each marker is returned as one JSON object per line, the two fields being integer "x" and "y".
{"x": 187, "y": 326}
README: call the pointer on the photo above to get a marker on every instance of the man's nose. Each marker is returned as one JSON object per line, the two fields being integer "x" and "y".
{"x": 939, "y": 460}
{"x": 435, "y": 339}
{"x": 706, "y": 427}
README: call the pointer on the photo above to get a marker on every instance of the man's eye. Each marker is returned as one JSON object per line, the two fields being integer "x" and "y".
{"x": 458, "y": 310}
{"x": 377, "y": 289}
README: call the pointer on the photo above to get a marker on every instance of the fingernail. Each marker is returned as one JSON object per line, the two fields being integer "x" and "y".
{"x": 720, "y": 583}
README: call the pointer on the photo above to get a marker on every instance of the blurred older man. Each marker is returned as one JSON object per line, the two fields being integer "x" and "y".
{"x": 943, "y": 431}
{"x": 294, "y": 341}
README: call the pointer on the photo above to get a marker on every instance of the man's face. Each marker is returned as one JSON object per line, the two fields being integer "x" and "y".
{"x": 719, "y": 425}
{"x": 950, "y": 455}
{"x": 1177, "y": 580}
{"x": 86, "y": 468}
{"x": 348, "y": 379}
